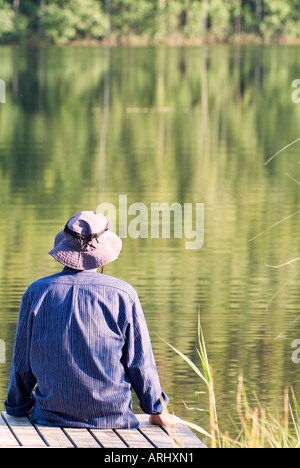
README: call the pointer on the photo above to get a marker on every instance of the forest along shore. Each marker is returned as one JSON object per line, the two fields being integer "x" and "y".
{"x": 187, "y": 22}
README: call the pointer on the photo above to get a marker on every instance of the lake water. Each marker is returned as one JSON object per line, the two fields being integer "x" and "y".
{"x": 86, "y": 125}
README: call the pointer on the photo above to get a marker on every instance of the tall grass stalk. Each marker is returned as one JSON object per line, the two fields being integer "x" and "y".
{"x": 205, "y": 374}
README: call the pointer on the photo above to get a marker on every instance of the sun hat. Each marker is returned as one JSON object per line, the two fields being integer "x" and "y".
{"x": 86, "y": 243}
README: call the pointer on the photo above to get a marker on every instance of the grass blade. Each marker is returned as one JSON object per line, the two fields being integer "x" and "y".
{"x": 197, "y": 428}
{"x": 274, "y": 225}
{"x": 188, "y": 361}
{"x": 283, "y": 264}
{"x": 281, "y": 151}
{"x": 282, "y": 288}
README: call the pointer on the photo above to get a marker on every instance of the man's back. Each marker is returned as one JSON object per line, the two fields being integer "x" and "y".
{"x": 86, "y": 343}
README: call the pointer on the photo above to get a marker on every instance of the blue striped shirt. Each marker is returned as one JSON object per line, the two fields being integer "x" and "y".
{"x": 82, "y": 345}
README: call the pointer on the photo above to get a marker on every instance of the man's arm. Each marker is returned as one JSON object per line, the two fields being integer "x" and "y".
{"x": 20, "y": 400}
{"x": 140, "y": 364}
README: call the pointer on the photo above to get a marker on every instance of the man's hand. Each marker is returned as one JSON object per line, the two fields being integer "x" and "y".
{"x": 29, "y": 412}
{"x": 165, "y": 419}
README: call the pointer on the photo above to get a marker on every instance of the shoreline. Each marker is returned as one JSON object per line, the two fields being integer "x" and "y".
{"x": 135, "y": 41}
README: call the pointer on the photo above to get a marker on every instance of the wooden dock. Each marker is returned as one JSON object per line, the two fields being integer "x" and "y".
{"x": 21, "y": 433}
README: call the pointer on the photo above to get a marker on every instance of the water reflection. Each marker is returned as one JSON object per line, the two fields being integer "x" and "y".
{"x": 189, "y": 125}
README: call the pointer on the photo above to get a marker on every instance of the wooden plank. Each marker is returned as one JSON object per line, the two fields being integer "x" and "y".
{"x": 108, "y": 438}
{"x": 184, "y": 436}
{"x": 54, "y": 436}
{"x": 6, "y": 437}
{"x": 133, "y": 438}
{"x": 81, "y": 438}
{"x": 16, "y": 432}
{"x": 24, "y": 431}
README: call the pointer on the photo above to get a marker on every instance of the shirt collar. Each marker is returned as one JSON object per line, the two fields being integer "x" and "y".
{"x": 72, "y": 271}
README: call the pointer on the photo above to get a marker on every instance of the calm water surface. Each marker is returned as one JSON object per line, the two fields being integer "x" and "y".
{"x": 82, "y": 126}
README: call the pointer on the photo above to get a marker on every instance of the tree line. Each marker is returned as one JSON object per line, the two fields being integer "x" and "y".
{"x": 63, "y": 21}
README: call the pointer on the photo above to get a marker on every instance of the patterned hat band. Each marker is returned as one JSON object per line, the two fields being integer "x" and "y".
{"x": 85, "y": 240}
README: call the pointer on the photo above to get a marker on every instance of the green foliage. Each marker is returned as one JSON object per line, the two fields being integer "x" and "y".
{"x": 130, "y": 18}
{"x": 61, "y": 21}
{"x": 220, "y": 19}
{"x": 277, "y": 15}
{"x": 194, "y": 26}
{"x": 58, "y": 24}
{"x": 6, "y": 19}
{"x": 12, "y": 24}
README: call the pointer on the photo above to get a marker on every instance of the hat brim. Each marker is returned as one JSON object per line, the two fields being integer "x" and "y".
{"x": 105, "y": 250}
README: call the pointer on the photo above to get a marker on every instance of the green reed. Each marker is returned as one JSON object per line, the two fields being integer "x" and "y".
{"x": 256, "y": 427}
